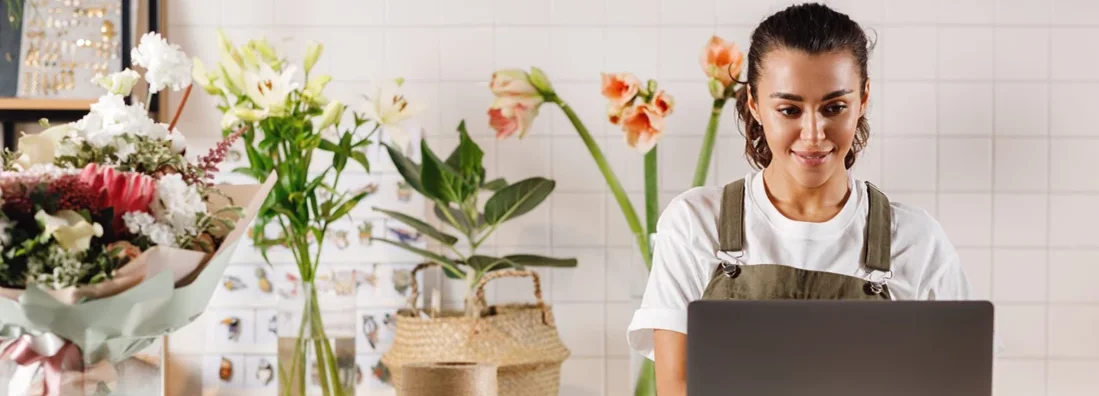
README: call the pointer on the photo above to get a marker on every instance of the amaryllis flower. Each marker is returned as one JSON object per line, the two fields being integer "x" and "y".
{"x": 124, "y": 191}
{"x": 721, "y": 60}
{"x": 508, "y": 82}
{"x": 620, "y": 88}
{"x": 643, "y": 125}
{"x": 513, "y": 114}
{"x": 663, "y": 102}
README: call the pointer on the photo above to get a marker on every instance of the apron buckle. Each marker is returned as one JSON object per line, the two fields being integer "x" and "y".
{"x": 873, "y": 288}
{"x": 730, "y": 270}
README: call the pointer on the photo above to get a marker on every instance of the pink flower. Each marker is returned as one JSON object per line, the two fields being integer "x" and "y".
{"x": 620, "y": 88}
{"x": 512, "y": 82}
{"x": 644, "y": 125}
{"x": 721, "y": 60}
{"x": 663, "y": 102}
{"x": 124, "y": 191}
{"x": 511, "y": 114}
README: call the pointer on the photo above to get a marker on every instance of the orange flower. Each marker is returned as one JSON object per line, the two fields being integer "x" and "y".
{"x": 644, "y": 125}
{"x": 614, "y": 113}
{"x": 620, "y": 88}
{"x": 511, "y": 114}
{"x": 721, "y": 60}
{"x": 663, "y": 102}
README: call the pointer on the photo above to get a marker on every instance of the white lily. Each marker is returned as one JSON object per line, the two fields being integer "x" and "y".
{"x": 269, "y": 89}
{"x": 389, "y": 108}
{"x": 69, "y": 229}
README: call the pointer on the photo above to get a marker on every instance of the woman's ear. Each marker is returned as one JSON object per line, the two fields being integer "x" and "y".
{"x": 753, "y": 107}
{"x": 865, "y": 103}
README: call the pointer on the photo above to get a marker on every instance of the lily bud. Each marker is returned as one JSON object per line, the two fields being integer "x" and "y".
{"x": 204, "y": 78}
{"x": 332, "y": 114}
{"x": 540, "y": 81}
{"x": 312, "y": 53}
{"x": 250, "y": 115}
{"x": 248, "y": 55}
{"x": 717, "y": 89}
{"x": 266, "y": 50}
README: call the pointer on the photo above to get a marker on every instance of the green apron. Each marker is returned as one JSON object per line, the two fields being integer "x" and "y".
{"x": 737, "y": 281}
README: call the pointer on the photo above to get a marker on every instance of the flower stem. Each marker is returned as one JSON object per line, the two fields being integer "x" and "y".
{"x": 652, "y": 199}
{"x": 707, "y": 150}
{"x": 179, "y": 110}
{"x": 608, "y": 173}
{"x": 646, "y": 381}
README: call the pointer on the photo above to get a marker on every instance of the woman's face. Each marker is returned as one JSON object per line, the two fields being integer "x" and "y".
{"x": 809, "y": 106}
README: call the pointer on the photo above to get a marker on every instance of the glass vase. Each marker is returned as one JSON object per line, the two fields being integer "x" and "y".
{"x": 316, "y": 347}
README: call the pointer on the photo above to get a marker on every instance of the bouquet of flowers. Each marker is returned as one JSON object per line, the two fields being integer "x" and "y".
{"x": 109, "y": 235}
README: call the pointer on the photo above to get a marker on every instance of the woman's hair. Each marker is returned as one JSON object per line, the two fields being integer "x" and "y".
{"x": 814, "y": 29}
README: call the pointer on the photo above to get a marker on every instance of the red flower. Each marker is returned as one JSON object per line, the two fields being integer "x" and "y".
{"x": 124, "y": 191}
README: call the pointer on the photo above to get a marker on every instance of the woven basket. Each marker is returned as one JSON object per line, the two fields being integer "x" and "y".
{"x": 520, "y": 339}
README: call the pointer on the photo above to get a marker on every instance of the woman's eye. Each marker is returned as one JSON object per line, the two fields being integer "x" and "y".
{"x": 835, "y": 109}
{"x": 789, "y": 111}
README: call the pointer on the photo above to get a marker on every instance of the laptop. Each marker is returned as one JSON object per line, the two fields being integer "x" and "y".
{"x": 839, "y": 348}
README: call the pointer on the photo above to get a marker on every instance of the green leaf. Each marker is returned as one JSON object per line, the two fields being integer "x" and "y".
{"x": 467, "y": 160}
{"x": 250, "y": 172}
{"x": 540, "y": 261}
{"x": 329, "y": 146}
{"x": 420, "y": 226}
{"x": 426, "y": 254}
{"x": 360, "y": 157}
{"x": 347, "y": 206}
{"x": 409, "y": 170}
{"x": 517, "y": 199}
{"x": 440, "y": 180}
{"x": 495, "y": 184}
{"x": 463, "y": 221}
{"x": 482, "y": 263}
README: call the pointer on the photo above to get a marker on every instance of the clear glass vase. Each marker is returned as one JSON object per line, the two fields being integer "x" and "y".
{"x": 316, "y": 348}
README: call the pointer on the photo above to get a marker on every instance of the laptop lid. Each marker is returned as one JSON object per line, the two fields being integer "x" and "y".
{"x": 840, "y": 348}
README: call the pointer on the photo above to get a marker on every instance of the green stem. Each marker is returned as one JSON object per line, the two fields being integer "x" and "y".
{"x": 149, "y": 99}
{"x": 646, "y": 381}
{"x": 652, "y": 199}
{"x": 707, "y": 150}
{"x": 608, "y": 174}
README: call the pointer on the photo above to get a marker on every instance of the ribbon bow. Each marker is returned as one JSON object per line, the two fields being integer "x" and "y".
{"x": 53, "y": 353}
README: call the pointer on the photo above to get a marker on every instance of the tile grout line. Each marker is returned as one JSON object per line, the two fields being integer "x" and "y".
{"x": 1049, "y": 197}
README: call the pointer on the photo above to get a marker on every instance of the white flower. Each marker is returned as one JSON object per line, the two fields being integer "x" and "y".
{"x": 141, "y": 223}
{"x": 120, "y": 83}
{"x": 179, "y": 143}
{"x": 166, "y": 65}
{"x": 178, "y": 204}
{"x": 5, "y": 231}
{"x": 69, "y": 229}
{"x": 230, "y": 120}
{"x": 389, "y": 108}
{"x": 268, "y": 89}
{"x": 110, "y": 117}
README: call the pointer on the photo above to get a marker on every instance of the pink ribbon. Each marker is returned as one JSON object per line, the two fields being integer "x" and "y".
{"x": 22, "y": 352}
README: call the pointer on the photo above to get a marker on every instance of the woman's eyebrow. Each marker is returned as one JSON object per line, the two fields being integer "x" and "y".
{"x": 798, "y": 98}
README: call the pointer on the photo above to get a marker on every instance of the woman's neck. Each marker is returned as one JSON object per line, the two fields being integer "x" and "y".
{"x": 800, "y": 203}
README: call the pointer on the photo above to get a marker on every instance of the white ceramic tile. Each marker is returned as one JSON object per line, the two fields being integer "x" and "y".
{"x": 1021, "y": 165}
{"x": 679, "y": 49}
{"x": 413, "y": 53}
{"x": 1023, "y": 11}
{"x": 590, "y": 106}
{"x": 910, "y": 52}
{"x": 466, "y": 54}
{"x": 633, "y": 12}
{"x": 738, "y": 34}
{"x": 618, "y": 232}
{"x": 1072, "y": 330}
{"x": 247, "y": 12}
{"x": 965, "y": 109}
{"x": 522, "y": 47}
{"x": 924, "y": 201}
{"x": 578, "y": 12}
{"x": 470, "y": 101}
{"x": 1020, "y": 220}
{"x": 865, "y": 12}
{"x": 966, "y": 53}
{"x": 1022, "y": 109}
{"x": 531, "y": 229}
{"x": 521, "y": 290}
{"x": 573, "y": 168}
{"x": 1022, "y": 328}
{"x": 626, "y": 274}
{"x": 977, "y": 264}
{"x": 967, "y": 218}
{"x": 1073, "y": 50}
{"x": 520, "y": 159}
{"x": 747, "y": 11}
{"x": 581, "y": 327}
{"x": 868, "y": 164}
{"x": 467, "y": 12}
{"x": 965, "y": 164}
{"x": 677, "y": 161}
{"x": 966, "y": 11}
{"x": 1070, "y": 276}
{"x": 1068, "y": 102}
{"x": 1019, "y": 377}
{"x": 413, "y": 12}
{"x": 1011, "y": 43}
{"x": 582, "y": 377}
{"x": 1074, "y": 12}
{"x": 619, "y": 376}
{"x": 915, "y": 114}
{"x": 1072, "y": 219}
{"x": 729, "y": 155}
{"x": 194, "y": 13}
{"x": 631, "y": 50}
{"x": 522, "y": 12}
{"x": 577, "y": 53}
{"x": 576, "y": 219}
{"x": 910, "y": 11}
{"x": 332, "y": 12}
{"x": 687, "y": 12}
{"x": 619, "y": 316}
{"x": 1073, "y": 377}
{"x": 691, "y": 113}
{"x": 1019, "y": 275}
{"x": 1072, "y": 165}
{"x": 585, "y": 282}
{"x": 910, "y": 163}
{"x": 628, "y": 164}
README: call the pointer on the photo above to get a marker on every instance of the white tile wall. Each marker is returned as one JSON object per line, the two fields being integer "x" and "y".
{"x": 981, "y": 115}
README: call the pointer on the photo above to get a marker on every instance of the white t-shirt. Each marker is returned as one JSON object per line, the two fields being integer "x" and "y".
{"x": 924, "y": 263}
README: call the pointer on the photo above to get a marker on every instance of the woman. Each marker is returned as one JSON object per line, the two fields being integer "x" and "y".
{"x": 802, "y": 227}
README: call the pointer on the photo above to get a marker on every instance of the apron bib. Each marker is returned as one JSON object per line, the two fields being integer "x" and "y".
{"x": 737, "y": 281}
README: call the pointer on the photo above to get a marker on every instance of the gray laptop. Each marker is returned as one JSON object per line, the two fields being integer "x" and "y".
{"x": 839, "y": 348}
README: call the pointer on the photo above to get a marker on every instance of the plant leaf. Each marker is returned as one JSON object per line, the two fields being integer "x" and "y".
{"x": 347, "y": 206}
{"x": 440, "y": 180}
{"x": 467, "y": 160}
{"x": 540, "y": 261}
{"x": 409, "y": 170}
{"x": 495, "y": 184}
{"x": 517, "y": 199}
{"x": 327, "y": 145}
{"x": 482, "y": 263}
{"x": 420, "y": 226}
{"x": 360, "y": 157}
{"x": 445, "y": 262}
{"x": 463, "y": 221}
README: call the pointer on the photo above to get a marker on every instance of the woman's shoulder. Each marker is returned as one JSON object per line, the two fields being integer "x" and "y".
{"x": 697, "y": 207}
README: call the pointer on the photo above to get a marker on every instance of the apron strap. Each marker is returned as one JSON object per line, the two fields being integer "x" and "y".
{"x": 879, "y": 230}
{"x": 730, "y": 231}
